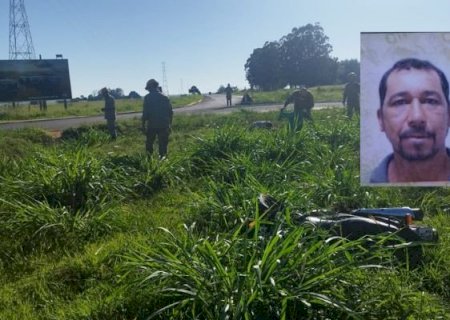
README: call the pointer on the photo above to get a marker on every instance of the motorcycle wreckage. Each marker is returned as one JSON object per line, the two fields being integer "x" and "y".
{"x": 365, "y": 222}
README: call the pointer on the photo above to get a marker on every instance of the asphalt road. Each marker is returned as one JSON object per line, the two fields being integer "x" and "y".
{"x": 211, "y": 104}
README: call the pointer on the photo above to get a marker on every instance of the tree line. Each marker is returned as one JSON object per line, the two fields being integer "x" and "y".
{"x": 301, "y": 57}
{"x": 117, "y": 93}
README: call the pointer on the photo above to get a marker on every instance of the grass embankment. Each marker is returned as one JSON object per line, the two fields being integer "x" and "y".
{"x": 24, "y": 111}
{"x": 94, "y": 229}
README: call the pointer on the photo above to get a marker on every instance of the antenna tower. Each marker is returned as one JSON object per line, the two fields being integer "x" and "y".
{"x": 20, "y": 42}
{"x": 165, "y": 87}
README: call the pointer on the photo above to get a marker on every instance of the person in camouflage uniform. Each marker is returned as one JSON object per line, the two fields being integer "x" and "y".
{"x": 110, "y": 112}
{"x": 156, "y": 118}
{"x": 351, "y": 95}
{"x": 303, "y": 103}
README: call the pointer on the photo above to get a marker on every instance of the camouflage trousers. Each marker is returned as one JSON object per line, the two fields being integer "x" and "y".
{"x": 352, "y": 108}
{"x": 163, "y": 140}
{"x": 111, "y": 125}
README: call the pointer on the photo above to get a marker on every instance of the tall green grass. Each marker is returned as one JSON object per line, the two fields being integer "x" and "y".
{"x": 58, "y": 199}
{"x": 82, "y": 223}
{"x": 288, "y": 273}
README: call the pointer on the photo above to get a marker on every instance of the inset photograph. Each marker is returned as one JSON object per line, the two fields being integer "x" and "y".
{"x": 405, "y": 109}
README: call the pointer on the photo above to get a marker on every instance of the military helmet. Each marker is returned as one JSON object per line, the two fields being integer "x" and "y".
{"x": 152, "y": 83}
{"x": 104, "y": 91}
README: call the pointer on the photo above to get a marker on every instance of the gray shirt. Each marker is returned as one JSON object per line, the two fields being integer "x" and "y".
{"x": 380, "y": 173}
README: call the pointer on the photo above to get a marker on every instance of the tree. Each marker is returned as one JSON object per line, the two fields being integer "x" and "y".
{"x": 194, "y": 90}
{"x": 305, "y": 56}
{"x": 116, "y": 93}
{"x": 344, "y": 68}
{"x": 134, "y": 95}
{"x": 263, "y": 67}
{"x": 222, "y": 89}
{"x": 300, "y": 58}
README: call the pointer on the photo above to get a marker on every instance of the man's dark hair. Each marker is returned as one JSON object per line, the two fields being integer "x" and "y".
{"x": 413, "y": 63}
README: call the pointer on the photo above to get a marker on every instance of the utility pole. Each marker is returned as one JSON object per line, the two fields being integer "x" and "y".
{"x": 20, "y": 41}
{"x": 165, "y": 87}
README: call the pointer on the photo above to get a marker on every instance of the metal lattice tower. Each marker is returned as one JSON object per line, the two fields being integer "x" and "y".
{"x": 20, "y": 42}
{"x": 165, "y": 86}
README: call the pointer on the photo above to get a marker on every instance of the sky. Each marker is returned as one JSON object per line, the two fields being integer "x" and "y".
{"x": 122, "y": 44}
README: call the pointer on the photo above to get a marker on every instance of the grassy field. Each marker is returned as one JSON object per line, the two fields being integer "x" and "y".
{"x": 95, "y": 229}
{"x": 89, "y": 108}
{"x": 82, "y": 108}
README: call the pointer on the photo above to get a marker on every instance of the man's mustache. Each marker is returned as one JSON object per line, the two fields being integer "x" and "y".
{"x": 416, "y": 133}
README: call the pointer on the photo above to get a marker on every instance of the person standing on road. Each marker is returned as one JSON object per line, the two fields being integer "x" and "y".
{"x": 228, "y": 93}
{"x": 110, "y": 112}
{"x": 156, "y": 118}
{"x": 351, "y": 95}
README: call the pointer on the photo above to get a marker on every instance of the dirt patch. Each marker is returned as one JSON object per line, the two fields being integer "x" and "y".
{"x": 56, "y": 134}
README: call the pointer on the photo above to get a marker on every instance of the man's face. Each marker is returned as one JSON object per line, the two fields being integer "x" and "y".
{"x": 414, "y": 114}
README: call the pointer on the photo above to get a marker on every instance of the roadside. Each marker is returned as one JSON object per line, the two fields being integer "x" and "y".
{"x": 214, "y": 103}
